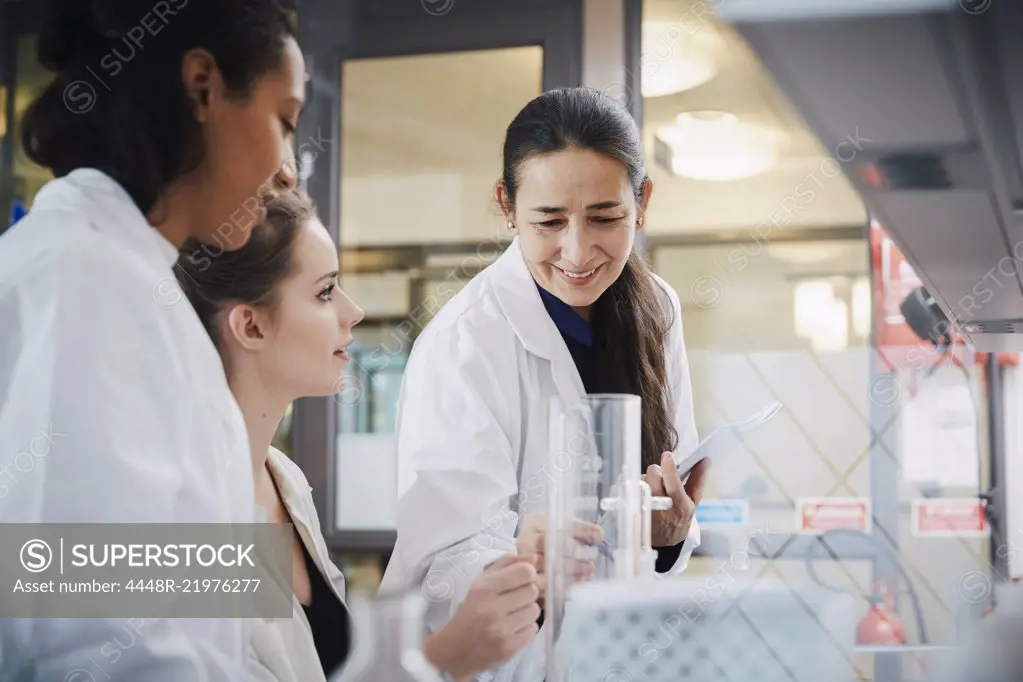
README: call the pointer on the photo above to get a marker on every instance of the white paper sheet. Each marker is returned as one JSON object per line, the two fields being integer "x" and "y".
{"x": 727, "y": 438}
{"x": 938, "y": 433}
{"x": 916, "y": 442}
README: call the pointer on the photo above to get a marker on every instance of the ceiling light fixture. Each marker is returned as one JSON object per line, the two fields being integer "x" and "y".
{"x": 673, "y": 60}
{"x": 813, "y": 300}
{"x": 716, "y": 146}
{"x": 861, "y": 309}
{"x": 820, "y": 316}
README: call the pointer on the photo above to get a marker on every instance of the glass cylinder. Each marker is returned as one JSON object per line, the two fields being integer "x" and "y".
{"x": 598, "y": 511}
{"x": 387, "y": 641}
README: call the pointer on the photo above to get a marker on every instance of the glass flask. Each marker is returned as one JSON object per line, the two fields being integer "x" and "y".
{"x": 387, "y": 641}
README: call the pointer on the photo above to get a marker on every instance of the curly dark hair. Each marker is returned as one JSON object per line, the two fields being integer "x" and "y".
{"x": 118, "y": 103}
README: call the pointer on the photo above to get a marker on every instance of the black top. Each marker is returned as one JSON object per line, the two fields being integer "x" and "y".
{"x": 578, "y": 336}
{"x": 328, "y": 618}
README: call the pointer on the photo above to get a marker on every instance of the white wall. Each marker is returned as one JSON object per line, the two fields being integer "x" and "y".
{"x": 421, "y": 143}
{"x": 366, "y": 482}
{"x": 1013, "y": 541}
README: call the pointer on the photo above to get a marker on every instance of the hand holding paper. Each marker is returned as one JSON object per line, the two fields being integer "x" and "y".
{"x": 671, "y": 526}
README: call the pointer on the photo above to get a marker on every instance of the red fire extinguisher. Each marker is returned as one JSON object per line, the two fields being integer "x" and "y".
{"x": 881, "y": 626}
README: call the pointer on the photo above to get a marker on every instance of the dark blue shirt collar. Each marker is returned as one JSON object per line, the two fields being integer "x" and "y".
{"x": 568, "y": 321}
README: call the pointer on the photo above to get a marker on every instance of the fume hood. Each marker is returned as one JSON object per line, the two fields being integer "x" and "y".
{"x": 920, "y": 102}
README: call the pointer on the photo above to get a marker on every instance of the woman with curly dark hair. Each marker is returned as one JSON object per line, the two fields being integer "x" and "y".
{"x": 163, "y": 121}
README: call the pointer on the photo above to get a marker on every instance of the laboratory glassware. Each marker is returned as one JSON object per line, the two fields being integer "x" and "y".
{"x": 595, "y": 472}
{"x": 387, "y": 640}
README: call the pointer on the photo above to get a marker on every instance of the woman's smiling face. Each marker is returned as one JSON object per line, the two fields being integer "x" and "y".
{"x": 576, "y": 216}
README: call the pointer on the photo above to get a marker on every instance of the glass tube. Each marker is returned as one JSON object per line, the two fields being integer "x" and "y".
{"x": 387, "y": 637}
{"x": 595, "y": 466}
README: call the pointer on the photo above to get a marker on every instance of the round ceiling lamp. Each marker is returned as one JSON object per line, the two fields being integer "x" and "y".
{"x": 673, "y": 60}
{"x": 716, "y": 146}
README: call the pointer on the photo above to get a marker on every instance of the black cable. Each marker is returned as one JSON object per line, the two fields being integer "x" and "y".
{"x": 975, "y": 404}
{"x": 811, "y": 551}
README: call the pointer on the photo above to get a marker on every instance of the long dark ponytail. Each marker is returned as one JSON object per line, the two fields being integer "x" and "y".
{"x": 629, "y": 321}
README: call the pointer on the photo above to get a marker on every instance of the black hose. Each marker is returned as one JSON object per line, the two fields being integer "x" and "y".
{"x": 885, "y": 549}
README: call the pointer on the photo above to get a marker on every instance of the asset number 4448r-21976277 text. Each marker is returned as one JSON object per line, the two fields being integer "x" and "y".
{"x": 193, "y": 585}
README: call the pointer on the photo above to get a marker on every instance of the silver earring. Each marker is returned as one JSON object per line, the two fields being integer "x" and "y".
{"x": 511, "y": 226}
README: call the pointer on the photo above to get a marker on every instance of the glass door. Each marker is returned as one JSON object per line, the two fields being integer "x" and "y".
{"x": 22, "y": 77}
{"x": 424, "y": 93}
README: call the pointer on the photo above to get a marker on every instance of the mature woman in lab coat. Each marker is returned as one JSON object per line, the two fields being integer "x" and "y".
{"x": 569, "y": 308}
{"x": 282, "y": 325}
{"x": 114, "y": 407}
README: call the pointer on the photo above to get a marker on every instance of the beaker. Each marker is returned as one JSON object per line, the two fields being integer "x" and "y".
{"x": 387, "y": 640}
{"x": 595, "y": 468}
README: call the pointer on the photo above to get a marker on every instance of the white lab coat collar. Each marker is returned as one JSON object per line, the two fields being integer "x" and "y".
{"x": 294, "y": 493}
{"x": 520, "y": 300}
{"x": 297, "y": 497}
{"x": 285, "y": 647}
{"x": 111, "y": 211}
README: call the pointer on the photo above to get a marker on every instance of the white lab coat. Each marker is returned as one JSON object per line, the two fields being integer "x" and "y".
{"x": 285, "y": 646}
{"x": 472, "y": 432}
{"x": 114, "y": 408}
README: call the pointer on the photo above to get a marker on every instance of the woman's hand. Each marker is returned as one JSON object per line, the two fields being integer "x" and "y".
{"x": 531, "y": 544}
{"x": 495, "y": 622}
{"x": 670, "y": 527}
{"x": 580, "y": 550}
